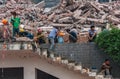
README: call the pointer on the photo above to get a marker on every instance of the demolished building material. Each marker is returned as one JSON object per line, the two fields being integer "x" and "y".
{"x": 40, "y": 4}
{"x": 65, "y": 14}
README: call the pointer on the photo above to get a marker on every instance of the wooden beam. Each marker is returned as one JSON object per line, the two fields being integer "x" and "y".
{"x": 61, "y": 25}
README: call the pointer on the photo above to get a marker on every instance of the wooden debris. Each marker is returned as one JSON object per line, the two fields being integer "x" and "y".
{"x": 40, "y": 4}
{"x": 61, "y": 25}
{"x": 77, "y": 13}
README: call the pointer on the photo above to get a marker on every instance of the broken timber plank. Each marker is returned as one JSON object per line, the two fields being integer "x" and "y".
{"x": 90, "y": 19}
{"x": 98, "y": 9}
{"x": 77, "y": 13}
{"x": 40, "y": 4}
{"x": 61, "y": 25}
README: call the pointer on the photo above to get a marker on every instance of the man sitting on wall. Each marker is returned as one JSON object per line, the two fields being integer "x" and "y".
{"x": 40, "y": 38}
{"x": 92, "y": 34}
{"x": 73, "y": 35}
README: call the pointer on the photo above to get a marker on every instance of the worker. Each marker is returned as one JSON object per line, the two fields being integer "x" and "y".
{"x": 40, "y": 38}
{"x": 15, "y": 22}
{"x": 6, "y": 31}
{"x": 92, "y": 34}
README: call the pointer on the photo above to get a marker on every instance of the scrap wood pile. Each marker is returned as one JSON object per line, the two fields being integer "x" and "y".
{"x": 87, "y": 12}
{"x": 24, "y": 8}
{"x": 66, "y": 14}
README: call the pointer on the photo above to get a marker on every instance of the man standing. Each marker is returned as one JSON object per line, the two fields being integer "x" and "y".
{"x": 15, "y": 21}
{"x": 52, "y": 37}
{"x": 5, "y": 30}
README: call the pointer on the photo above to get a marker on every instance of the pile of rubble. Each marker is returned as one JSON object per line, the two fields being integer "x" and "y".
{"x": 66, "y": 14}
{"x": 82, "y": 13}
{"x": 28, "y": 12}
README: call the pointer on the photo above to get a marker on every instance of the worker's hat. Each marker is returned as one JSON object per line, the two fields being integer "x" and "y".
{"x": 4, "y": 21}
{"x": 39, "y": 30}
{"x": 61, "y": 33}
{"x": 22, "y": 26}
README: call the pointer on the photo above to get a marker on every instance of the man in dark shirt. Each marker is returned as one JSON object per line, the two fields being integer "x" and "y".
{"x": 92, "y": 34}
{"x": 73, "y": 35}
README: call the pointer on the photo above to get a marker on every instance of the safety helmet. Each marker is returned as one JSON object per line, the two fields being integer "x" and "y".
{"x": 4, "y": 21}
{"x": 22, "y": 26}
{"x": 61, "y": 33}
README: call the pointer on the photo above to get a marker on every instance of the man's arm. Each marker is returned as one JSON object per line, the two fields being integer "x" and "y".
{"x": 40, "y": 36}
{"x": 93, "y": 35}
{"x": 89, "y": 35}
{"x": 104, "y": 66}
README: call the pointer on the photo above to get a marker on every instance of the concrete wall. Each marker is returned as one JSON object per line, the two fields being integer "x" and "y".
{"x": 87, "y": 53}
{"x": 30, "y": 61}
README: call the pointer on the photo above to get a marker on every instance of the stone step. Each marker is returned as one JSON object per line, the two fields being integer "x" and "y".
{"x": 69, "y": 66}
{"x": 87, "y": 53}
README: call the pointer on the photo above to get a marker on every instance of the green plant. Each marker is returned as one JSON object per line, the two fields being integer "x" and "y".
{"x": 109, "y": 41}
